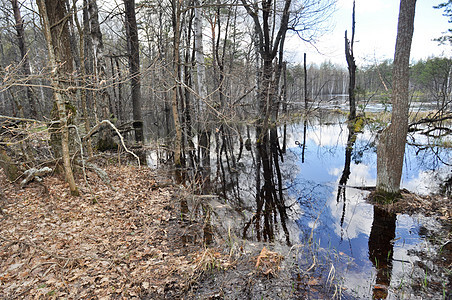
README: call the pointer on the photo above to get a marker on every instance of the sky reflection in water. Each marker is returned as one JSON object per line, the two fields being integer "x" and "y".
{"x": 348, "y": 230}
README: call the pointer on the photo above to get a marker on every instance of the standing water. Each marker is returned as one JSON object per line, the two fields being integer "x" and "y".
{"x": 376, "y": 252}
{"x": 345, "y": 247}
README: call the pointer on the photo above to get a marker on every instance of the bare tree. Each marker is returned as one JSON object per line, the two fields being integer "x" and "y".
{"x": 54, "y": 23}
{"x": 204, "y": 138}
{"x": 134, "y": 67}
{"x": 391, "y": 145}
{"x": 176, "y": 21}
{"x": 24, "y": 57}
{"x": 269, "y": 41}
{"x": 351, "y": 68}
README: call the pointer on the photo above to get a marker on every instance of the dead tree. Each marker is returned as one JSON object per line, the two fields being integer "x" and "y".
{"x": 351, "y": 68}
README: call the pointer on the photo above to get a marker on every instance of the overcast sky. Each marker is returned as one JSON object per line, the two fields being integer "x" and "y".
{"x": 376, "y": 30}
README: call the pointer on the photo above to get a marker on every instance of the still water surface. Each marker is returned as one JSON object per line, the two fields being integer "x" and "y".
{"x": 375, "y": 250}
{"x": 358, "y": 250}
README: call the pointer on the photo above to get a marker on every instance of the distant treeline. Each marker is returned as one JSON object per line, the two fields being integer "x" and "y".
{"x": 430, "y": 80}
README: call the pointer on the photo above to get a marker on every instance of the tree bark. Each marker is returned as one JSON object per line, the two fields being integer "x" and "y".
{"x": 82, "y": 72}
{"x": 204, "y": 139}
{"x": 351, "y": 68}
{"x": 100, "y": 67}
{"x": 269, "y": 41}
{"x": 24, "y": 57}
{"x": 134, "y": 67}
{"x": 56, "y": 34}
{"x": 391, "y": 146}
{"x": 174, "y": 99}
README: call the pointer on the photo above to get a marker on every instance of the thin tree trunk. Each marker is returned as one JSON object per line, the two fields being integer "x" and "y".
{"x": 120, "y": 101}
{"x": 284, "y": 106}
{"x": 134, "y": 67}
{"x": 32, "y": 101}
{"x": 54, "y": 44}
{"x": 351, "y": 68}
{"x": 391, "y": 146}
{"x": 174, "y": 99}
{"x": 82, "y": 70}
{"x": 100, "y": 68}
{"x": 203, "y": 116}
{"x": 91, "y": 99}
{"x": 305, "y": 84}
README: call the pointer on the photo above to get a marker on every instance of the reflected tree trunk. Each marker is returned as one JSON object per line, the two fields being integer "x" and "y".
{"x": 303, "y": 146}
{"x": 269, "y": 42}
{"x": 351, "y": 139}
{"x": 381, "y": 250}
{"x": 279, "y": 198}
{"x": 341, "y": 190}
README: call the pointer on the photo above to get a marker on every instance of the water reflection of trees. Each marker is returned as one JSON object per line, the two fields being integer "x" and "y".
{"x": 382, "y": 232}
{"x": 243, "y": 171}
{"x": 351, "y": 139}
{"x": 270, "y": 206}
{"x": 381, "y": 249}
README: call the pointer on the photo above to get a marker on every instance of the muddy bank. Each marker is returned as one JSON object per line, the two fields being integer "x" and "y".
{"x": 437, "y": 205}
{"x": 436, "y": 259}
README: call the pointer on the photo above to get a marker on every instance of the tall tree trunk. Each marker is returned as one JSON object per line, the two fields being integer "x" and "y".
{"x": 56, "y": 33}
{"x": 269, "y": 42}
{"x": 93, "y": 35}
{"x": 100, "y": 67}
{"x": 203, "y": 119}
{"x": 82, "y": 72}
{"x": 305, "y": 70}
{"x": 120, "y": 92}
{"x": 32, "y": 101}
{"x": 351, "y": 69}
{"x": 174, "y": 99}
{"x": 391, "y": 146}
{"x": 284, "y": 106}
{"x": 134, "y": 67}
{"x": 91, "y": 99}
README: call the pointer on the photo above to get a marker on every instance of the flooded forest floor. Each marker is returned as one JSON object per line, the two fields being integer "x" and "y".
{"x": 128, "y": 239}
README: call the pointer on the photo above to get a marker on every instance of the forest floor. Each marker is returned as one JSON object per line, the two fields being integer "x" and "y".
{"x": 116, "y": 241}
{"x": 128, "y": 239}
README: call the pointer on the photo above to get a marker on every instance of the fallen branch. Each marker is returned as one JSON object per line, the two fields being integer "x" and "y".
{"x": 434, "y": 119}
{"x": 20, "y": 119}
{"x": 34, "y": 174}
{"x": 95, "y": 128}
{"x": 158, "y": 185}
{"x": 101, "y": 173}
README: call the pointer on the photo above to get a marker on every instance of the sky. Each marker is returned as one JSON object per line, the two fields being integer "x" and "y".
{"x": 376, "y": 31}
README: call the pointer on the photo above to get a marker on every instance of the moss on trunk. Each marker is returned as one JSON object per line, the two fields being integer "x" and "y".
{"x": 12, "y": 172}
